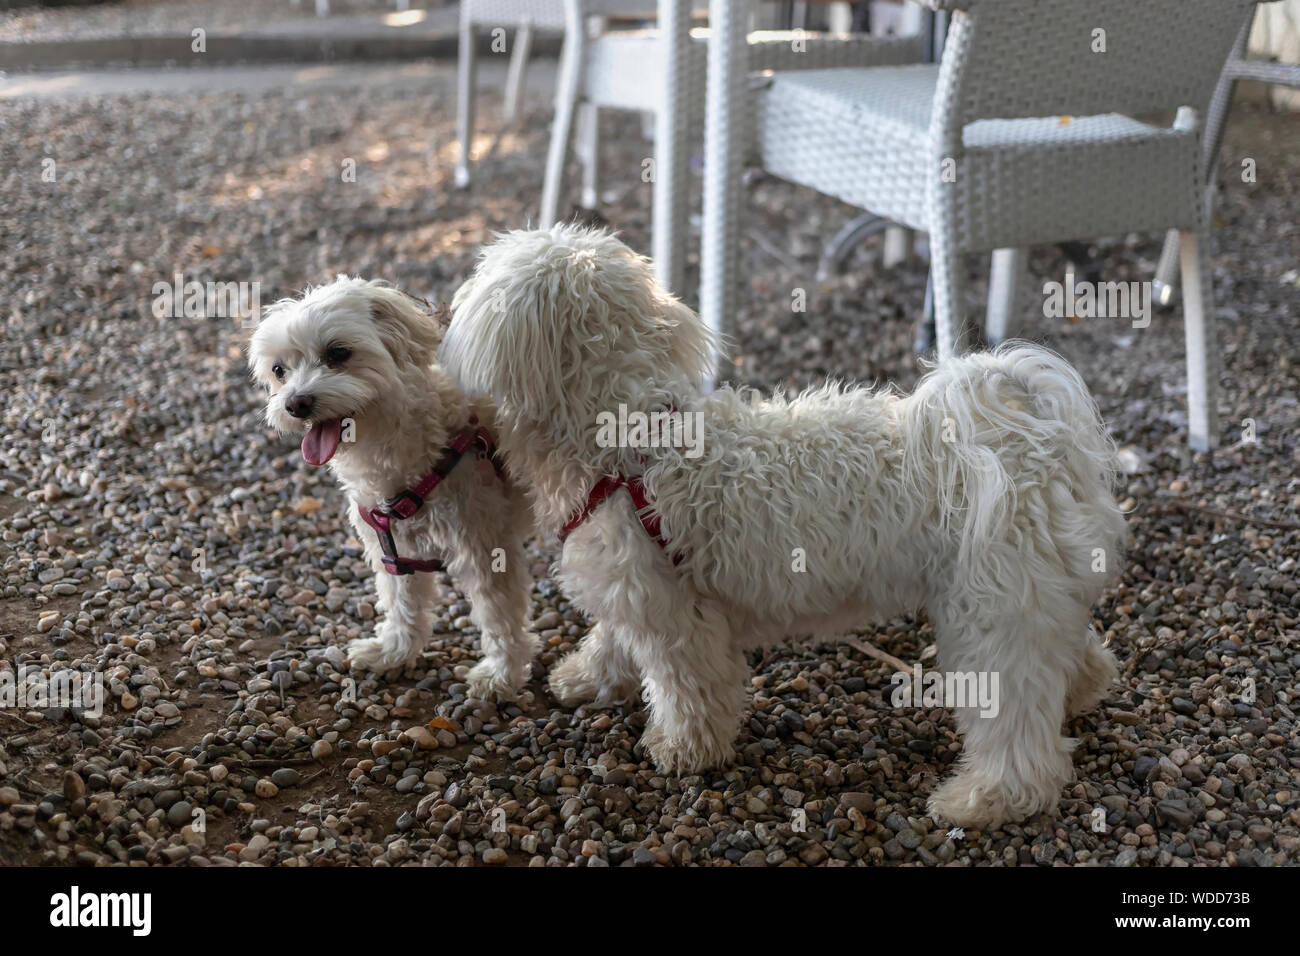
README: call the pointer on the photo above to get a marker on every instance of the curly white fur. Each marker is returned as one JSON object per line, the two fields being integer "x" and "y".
{"x": 984, "y": 496}
{"x": 403, "y": 410}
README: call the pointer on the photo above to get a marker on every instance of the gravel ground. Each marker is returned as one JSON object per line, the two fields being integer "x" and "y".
{"x": 130, "y": 443}
{"x": 153, "y": 17}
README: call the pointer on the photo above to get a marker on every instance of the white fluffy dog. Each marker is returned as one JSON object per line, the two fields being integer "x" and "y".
{"x": 353, "y": 363}
{"x": 984, "y": 496}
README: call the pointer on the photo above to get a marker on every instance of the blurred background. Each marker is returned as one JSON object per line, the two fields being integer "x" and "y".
{"x": 167, "y": 166}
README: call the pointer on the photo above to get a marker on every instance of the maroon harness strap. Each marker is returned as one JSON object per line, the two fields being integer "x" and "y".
{"x": 645, "y": 512}
{"x": 393, "y": 563}
{"x": 409, "y": 500}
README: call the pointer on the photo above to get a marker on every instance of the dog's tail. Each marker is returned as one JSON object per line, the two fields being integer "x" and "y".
{"x": 1017, "y": 449}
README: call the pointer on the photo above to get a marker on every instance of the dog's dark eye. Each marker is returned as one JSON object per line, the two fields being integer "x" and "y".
{"x": 278, "y": 371}
{"x": 337, "y": 355}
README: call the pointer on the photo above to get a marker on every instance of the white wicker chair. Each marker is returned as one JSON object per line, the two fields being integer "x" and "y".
{"x": 1021, "y": 136}
{"x": 662, "y": 72}
{"x": 527, "y": 16}
{"x": 1237, "y": 68}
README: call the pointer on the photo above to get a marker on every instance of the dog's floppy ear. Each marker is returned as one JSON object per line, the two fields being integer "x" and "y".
{"x": 409, "y": 328}
{"x": 555, "y": 319}
{"x": 692, "y": 347}
{"x": 258, "y": 340}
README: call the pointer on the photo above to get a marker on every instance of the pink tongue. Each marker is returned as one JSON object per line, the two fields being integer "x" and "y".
{"x": 320, "y": 444}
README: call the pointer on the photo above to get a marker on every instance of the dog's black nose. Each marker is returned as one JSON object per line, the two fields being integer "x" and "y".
{"x": 299, "y": 406}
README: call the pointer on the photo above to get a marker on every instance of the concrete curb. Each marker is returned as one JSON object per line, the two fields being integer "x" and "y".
{"x": 224, "y": 49}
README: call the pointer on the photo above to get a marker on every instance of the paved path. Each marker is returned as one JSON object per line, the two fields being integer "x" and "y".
{"x": 198, "y": 79}
{"x": 158, "y": 33}
{"x": 179, "y": 17}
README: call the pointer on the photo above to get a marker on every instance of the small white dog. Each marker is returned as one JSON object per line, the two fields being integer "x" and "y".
{"x": 984, "y": 496}
{"x": 353, "y": 362}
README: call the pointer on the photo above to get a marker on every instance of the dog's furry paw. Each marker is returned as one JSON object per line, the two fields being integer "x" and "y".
{"x": 492, "y": 680}
{"x": 572, "y": 683}
{"x": 1092, "y": 680}
{"x": 684, "y": 755}
{"x": 369, "y": 654}
{"x": 979, "y": 804}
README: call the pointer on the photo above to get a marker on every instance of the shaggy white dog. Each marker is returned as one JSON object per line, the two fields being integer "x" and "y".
{"x": 984, "y": 496}
{"x": 353, "y": 363}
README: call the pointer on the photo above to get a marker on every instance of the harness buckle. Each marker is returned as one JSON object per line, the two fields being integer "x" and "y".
{"x": 386, "y": 544}
{"x": 404, "y": 504}
{"x": 396, "y": 565}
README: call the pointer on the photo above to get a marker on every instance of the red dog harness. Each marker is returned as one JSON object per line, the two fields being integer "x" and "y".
{"x": 645, "y": 513}
{"x": 409, "y": 500}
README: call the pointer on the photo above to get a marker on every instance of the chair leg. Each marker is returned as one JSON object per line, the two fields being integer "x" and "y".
{"x": 1164, "y": 288}
{"x": 670, "y": 212}
{"x": 518, "y": 68}
{"x": 851, "y": 235}
{"x": 898, "y": 245}
{"x": 589, "y": 153}
{"x": 948, "y": 275}
{"x": 1164, "y": 285}
{"x": 1005, "y": 278}
{"x": 1202, "y": 343}
{"x": 465, "y": 77}
{"x": 726, "y": 102}
{"x": 572, "y": 63}
{"x": 924, "y": 340}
